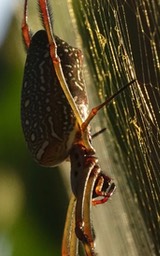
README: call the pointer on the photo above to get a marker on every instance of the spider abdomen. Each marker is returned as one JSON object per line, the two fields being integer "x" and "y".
{"x": 48, "y": 122}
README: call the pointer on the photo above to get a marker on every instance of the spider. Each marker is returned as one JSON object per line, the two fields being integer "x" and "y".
{"x": 55, "y": 122}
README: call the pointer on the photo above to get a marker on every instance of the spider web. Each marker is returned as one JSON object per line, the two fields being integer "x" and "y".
{"x": 121, "y": 39}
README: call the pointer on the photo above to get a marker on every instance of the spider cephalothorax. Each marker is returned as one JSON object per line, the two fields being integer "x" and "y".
{"x": 55, "y": 121}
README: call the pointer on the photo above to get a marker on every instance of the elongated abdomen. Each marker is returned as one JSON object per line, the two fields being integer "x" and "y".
{"x": 48, "y": 122}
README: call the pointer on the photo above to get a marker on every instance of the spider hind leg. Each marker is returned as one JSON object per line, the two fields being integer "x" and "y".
{"x": 26, "y": 33}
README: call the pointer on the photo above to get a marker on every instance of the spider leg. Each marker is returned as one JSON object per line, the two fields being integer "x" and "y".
{"x": 25, "y": 29}
{"x": 44, "y": 8}
{"x": 84, "y": 229}
{"x": 91, "y": 179}
{"x": 88, "y": 182}
{"x": 70, "y": 241}
{"x": 104, "y": 188}
{"x": 99, "y": 107}
{"x": 98, "y": 133}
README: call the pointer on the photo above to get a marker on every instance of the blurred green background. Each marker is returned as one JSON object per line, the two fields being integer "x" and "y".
{"x": 33, "y": 202}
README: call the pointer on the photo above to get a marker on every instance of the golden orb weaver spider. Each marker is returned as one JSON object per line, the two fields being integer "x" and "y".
{"x": 55, "y": 122}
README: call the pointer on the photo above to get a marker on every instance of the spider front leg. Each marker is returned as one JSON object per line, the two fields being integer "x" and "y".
{"x": 88, "y": 182}
{"x": 82, "y": 183}
{"x": 70, "y": 241}
{"x": 95, "y": 182}
{"x": 104, "y": 188}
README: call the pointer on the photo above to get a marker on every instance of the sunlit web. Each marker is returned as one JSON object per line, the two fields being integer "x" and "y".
{"x": 123, "y": 42}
